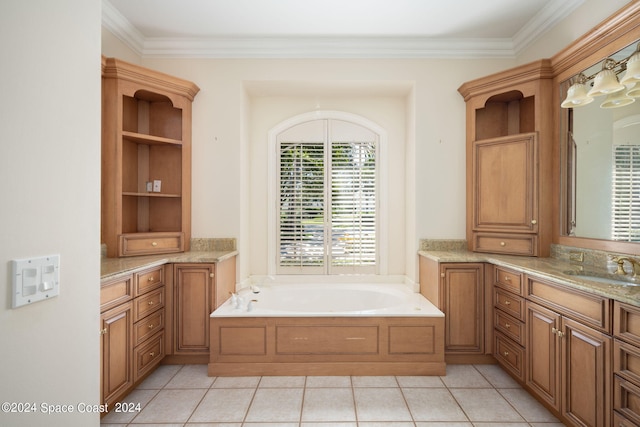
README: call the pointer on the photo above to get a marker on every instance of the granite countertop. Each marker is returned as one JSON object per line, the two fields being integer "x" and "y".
{"x": 547, "y": 268}
{"x": 113, "y": 267}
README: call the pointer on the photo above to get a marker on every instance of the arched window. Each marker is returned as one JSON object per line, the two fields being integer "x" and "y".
{"x": 326, "y": 196}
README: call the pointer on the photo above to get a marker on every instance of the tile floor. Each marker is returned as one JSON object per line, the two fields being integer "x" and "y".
{"x": 468, "y": 396}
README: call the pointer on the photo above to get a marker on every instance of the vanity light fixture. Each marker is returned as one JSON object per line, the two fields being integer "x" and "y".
{"x": 606, "y": 82}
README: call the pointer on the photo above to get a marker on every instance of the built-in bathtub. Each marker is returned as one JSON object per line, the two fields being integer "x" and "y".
{"x": 327, "y": 329}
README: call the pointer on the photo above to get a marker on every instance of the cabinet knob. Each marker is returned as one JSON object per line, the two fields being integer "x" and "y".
{"x": 211, "y": 275}
{"x": 150, "y": 279}
{"x": 560, "y": 334}
{"x": 507, "y": 302}
{"x": 503, "y": 244}
{"x": 554, "y": 331}
{"x": 507, "y": 278}
{"x": 150, "y": 302}
{"x": 442, "y": 275}
{"x": 151, "y": 326}
{"x": 506, "y": 353}
{"x": 534, "y": 222}
{"x": 154, "y": 244}
{"x": 153, "y": 353}
{"x": 103, "y": 331}
{"x": 506, "y": 325}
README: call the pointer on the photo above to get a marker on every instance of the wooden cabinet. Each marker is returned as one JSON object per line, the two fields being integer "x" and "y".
{"x": 508, "y": 320}
{"x": 463, "y": 305}
{"x": 626, "y": 364}
{"x": 116, "y": 344}
{"x": 568, "y": 362}
{"x": 509, "y": 163}
{"x": 198, "y": 290}
{"x": 132, "y": 316}
{"x": 146, "y": 160}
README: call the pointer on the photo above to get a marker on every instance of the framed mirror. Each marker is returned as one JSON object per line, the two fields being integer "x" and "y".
{"x": 599, "y": 148}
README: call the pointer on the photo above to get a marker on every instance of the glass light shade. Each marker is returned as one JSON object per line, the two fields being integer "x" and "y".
{"x": 617, "y": 99}
{"x": 634, "y": 91}
{"x": 576, "y": 96}
{"x": 605, "y": 83}
{"x": 632, "y": 75}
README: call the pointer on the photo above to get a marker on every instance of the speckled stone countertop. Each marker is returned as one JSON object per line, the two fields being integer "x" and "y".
{"x": 546, "y": 268}
{"x": 114, "y": 267}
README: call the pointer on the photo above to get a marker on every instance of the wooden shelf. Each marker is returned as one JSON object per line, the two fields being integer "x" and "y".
{"x": 142, "y": 138}
{"x": 126, "y": 193}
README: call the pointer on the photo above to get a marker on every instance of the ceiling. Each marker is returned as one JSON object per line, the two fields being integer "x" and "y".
{"x": 331, "y": 28}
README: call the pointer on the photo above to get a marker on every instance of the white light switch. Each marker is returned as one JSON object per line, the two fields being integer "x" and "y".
{"x": 35, "y": 279}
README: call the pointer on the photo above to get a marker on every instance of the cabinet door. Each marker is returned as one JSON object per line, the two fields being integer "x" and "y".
{"x": 116, "y": 349}
{"x": 193, "y": 303}
{"x": 543, "y": 353}
{"x": 504, "y": 184}
{"x": 586, "y": 366}
{"x": 463, "y": 306}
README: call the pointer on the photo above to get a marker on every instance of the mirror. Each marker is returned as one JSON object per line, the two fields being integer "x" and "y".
{"x": 601, "y": 158}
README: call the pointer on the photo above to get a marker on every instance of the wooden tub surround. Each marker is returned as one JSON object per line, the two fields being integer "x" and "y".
{"x": 251, "y": 346}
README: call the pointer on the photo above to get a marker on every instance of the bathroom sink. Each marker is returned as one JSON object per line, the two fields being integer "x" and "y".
{"x": 610, "y": 279}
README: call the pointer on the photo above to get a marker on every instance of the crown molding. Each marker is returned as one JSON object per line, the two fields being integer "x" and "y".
{"x": 333, "y": 47}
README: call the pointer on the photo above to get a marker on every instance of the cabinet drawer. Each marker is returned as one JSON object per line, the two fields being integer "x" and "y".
{"x": 626, "y": 399}
{"x": 148, "y": 355}
{"x": 327, "y": 340}
{"x": 148, "y": 280}
{"x": 147, "y": 304}
{"x": 620, "y": 421}
{"x": 591, "y": 309}
{"x": 626, "y": 322}
{"x": 150, "y": 243}
{"x": 509, "y": 354}
{"x": 148, "y": 326}
{"x": 514, "y": 244}
{"x": 510, "y": 326}
{"x": 509, "y": 303}
{"x": 626, "y": 361}
{"x": 114, "y": 292}
{"x": 509, "y": 280}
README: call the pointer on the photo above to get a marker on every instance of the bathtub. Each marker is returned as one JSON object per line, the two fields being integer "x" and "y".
{"x": 327, "y": 329}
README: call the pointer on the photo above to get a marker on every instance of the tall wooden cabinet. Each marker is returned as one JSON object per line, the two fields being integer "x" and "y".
{"x": 146, "y": 160}
{"x": 509, "y": 148}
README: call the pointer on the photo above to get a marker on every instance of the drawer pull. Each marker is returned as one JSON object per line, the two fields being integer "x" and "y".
{"x": 150, "y": 279}
{"x": 506, "y": 325}
{"x": 151, "y": 326}
{"x": 103, "y": 331}
{"x": 503, "y": 244}
{"x": 507, "y": 278}
{"x": 560, "y": 334}
{"x": 150, "y": 303}
{"x": 507, "y": 302}
{"x": 506, "y": 353}
{"x": 154, "y": 244}
{"x": 153, "y": 353}
{"x": 554, "y": 330}
{"x": 534, "y": 222}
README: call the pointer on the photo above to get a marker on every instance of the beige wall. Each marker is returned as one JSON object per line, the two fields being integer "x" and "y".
{"x": 428, "y": 162}
{"x": 50, "y": 187}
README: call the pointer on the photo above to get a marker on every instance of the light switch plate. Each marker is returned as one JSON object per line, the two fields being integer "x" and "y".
{"x": 35, "y": 279}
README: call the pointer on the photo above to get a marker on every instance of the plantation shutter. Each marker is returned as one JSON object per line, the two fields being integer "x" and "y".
{"x": 626, "y": 193}
{"x": 327, "y": 215}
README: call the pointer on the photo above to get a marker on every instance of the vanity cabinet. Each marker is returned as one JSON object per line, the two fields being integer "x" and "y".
{"x": 146, "y": 160}
{"x": 132, "y": 331}
{"x": 198, "y": 289}
{"x": 569, "y": 351}
{"x": 509, "y": 161}
{"x": 626, "y": 364}
{"x": 508, "y": 320}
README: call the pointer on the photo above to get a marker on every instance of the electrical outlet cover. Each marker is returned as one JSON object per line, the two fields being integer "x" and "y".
{"x": 35, "y": 279}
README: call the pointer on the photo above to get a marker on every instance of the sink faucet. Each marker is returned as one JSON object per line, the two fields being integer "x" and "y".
{"x": 635, "y": 265}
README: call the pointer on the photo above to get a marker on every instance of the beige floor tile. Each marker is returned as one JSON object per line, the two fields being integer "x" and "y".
{"x": 497, "y": 376}
{"x": 137, "y": 396}
{"x": 485, "y": 405}
{"x": 386, "y": 424}
{"x": 286, "y": 382}
{"x": 224, "y": 405}
{"x": 374, "y": 381}
{"x": 380, "y": 404}
{"x": 433, "y": 404}
{"x": 421, "y": 382}
{"x": 328, "y": 404}
{"x": 441, "y": 424}
{"x": 527, "y": 406}
{"x": 191, "y": 376}
{"x": 332, "y": 424}
{"x": 328, "y": 381}
{"x": 160, "y": 377}
{"x": 276, "y": 405}
{"x": 236, "y": 382}
{"x": 170, "y": 406}
{"x": 465, "y": 376}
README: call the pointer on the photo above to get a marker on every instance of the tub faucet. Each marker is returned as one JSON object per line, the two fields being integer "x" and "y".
{"x": 635, "y": 265}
